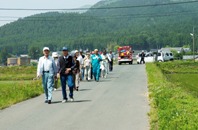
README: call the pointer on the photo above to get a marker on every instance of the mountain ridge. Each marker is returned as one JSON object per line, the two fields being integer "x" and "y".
{"x": 143, "y": 28}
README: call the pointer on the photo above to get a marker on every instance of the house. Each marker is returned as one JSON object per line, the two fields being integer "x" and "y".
{"x": 177, "y": 49}
{"x": 20, "y": 61}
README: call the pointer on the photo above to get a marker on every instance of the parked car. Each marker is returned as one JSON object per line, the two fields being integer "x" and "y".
{"x": 164, "y": 56}
{"x": 171, "y": 57}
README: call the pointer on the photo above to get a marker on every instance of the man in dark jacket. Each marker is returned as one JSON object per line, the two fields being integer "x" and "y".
{"x": 142, "y": 57}
{"x": 65, "y": 67}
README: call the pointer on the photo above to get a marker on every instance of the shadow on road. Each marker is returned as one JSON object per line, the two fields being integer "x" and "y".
{"x": 77, "y": 101}
{"x": 104, "y": 80}
{"x": 55, "y": 102}
{"x": 84, "y": 89}
{"x": 83, "y": 101}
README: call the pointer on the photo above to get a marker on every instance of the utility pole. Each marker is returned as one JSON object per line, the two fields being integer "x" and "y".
{"x": 194, "y": 43}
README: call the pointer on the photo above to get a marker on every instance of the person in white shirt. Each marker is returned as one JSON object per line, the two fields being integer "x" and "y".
{"x": 47, "y": 70}
{"x": 77, "y": 71}
{"x": 87, "y": 66}
{"x": 104, "y": 64}
{"x": 81, "y": 61}
{"x": 55, "y": 55}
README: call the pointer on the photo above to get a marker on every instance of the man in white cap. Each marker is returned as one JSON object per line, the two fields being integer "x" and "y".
{"x": 95, "y": 60}
{"x": 48, "y": 71}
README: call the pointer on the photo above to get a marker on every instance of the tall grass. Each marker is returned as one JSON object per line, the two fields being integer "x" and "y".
{"x": 17, "y": 73}
{"x": 173, "y": 97}
{"x": 16, "y": 85}
{"x": 12, "y": 92}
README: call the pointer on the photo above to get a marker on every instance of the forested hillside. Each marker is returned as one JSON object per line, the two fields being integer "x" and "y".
{"x": 144, "y": 27}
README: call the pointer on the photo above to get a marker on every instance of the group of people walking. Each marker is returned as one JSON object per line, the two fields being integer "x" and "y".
{"x": 71, "y": 69}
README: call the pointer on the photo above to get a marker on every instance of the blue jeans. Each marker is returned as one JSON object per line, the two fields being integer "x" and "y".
{"x": 67, "y": 79}
{"x": 47, "y": 81}
{"x": 82, "y": 73}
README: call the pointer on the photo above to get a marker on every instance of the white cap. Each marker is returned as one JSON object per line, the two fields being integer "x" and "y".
{"x": 96, "y": 50}
{"x": 46, "y": 48}
{"x": 76, "y": 51}
{"x": 55, "y": 54}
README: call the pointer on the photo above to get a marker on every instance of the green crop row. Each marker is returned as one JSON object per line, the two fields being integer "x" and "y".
{"x": 17, "y": 73}
{"x": 12, "y": 92}
{"x": 173, "y": 95}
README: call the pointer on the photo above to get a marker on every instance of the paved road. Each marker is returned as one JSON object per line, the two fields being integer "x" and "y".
{"x": 116, "y": 103}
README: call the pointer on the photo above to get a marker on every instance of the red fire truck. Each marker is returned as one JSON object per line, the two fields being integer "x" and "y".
{"x": 125, "y": 55}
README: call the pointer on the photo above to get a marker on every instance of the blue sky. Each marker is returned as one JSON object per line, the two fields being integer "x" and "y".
{"x": 43, "y": 4}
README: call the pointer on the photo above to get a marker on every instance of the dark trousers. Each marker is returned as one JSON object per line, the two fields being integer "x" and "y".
{"x": 111, "y": 65}
{"x": 67, "y": 79}
{"x": 91, "y": 72}
{"x": 142, "y": 60}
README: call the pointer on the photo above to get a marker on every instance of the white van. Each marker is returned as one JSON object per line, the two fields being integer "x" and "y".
{"x": 171, "y": 57}
{"x": 164, "y": 56}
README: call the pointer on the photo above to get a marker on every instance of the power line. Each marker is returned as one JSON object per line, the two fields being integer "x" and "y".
{"x": 99, "y": 17}
{"x": 100, "y": 8}
{"x": 92, "y": 16}
{"x": 107, "y": 17}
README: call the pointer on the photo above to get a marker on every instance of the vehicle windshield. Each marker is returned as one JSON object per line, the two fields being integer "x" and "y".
{"x": 122, "y": 51}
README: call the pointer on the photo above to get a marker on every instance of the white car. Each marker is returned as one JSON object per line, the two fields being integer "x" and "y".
{"x": 148, "y": 58}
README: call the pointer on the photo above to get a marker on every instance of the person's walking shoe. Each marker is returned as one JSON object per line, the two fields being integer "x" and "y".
{"x": 76, "y": 88}
{"x": 71, "y": 99}
{"x": 64, "y": 101}
{"x": 46, "y": 101}
{"x": 49, "y": 102}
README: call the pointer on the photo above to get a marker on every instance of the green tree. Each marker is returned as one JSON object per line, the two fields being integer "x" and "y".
{"x": 4, "y": 55}
{"x": 34, "y": 52}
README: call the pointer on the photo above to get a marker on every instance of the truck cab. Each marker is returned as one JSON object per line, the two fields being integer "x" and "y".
{"x": 125, "y": 55}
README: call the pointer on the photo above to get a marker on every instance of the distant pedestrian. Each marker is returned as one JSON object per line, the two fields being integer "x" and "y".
{"x": 87, "y": 66}
{"x": 47, "y": 69}
{"x": 142, "y": 55}
{"x": 80, "y": 59}
{"x": 111, "y": 58}
{"x": 55, "y": 55}
{"x": 76, "y": 72}
{"x": 82, "y": 68}
{"x": 65, "y": 67}
{"x": 104, "y": 64}
{"x": 96, "y": 59}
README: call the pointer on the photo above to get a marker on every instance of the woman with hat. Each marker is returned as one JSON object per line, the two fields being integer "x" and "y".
{"x": 95, "y": 60}
{"x": 55, "y": 55}
{"x": 76, "y": 72}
